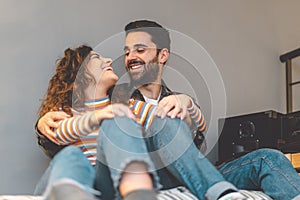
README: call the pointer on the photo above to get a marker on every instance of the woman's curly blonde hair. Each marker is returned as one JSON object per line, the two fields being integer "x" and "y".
{"x": 66, "y": 87}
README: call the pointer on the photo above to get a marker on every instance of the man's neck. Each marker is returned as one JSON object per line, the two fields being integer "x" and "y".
{"x": 151, "y": 91}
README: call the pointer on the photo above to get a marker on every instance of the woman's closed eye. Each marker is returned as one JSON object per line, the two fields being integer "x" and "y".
{"x": 95, "y": 56}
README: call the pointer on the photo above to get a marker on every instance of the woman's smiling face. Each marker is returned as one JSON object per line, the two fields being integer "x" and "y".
{"x": 101, "y": 69}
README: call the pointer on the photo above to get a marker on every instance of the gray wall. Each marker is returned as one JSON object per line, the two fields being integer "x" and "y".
{"x": 244, "y": 38}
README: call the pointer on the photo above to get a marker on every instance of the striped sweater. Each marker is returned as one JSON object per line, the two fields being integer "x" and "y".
{"x": 81, "y": 131}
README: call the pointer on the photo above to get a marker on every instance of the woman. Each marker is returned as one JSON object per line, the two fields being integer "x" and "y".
{"x": 80, "y": 87}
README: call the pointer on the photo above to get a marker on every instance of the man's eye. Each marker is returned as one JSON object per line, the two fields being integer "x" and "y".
{"x": 140, "y": 50}
{"x": 126, "y": 53}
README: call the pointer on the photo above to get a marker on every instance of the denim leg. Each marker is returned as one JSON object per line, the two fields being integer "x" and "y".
{"x": 103, "y": 181}
{"x": 120, "y": 142}
{"x": 43, "y": 182}
{"x": 264, "y": 169}
{"x": 69, "y": 163}
{"x": 172, "y": 142}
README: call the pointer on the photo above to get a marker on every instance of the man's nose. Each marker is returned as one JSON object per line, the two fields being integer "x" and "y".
{"x": 131, "y": 54}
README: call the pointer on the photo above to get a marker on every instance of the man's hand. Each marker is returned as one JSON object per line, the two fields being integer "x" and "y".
{"x": 49, "y": 122}
{"x": 174, "y": 106}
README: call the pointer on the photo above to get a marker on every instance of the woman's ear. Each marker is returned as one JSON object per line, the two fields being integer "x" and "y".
{"x": 163, "y": 56}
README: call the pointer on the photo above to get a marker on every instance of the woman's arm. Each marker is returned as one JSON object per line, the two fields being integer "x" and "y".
{"x": 197, "y": 117}
{"x": 144, "y": 112}
{"x": 72, "y": 129}
{"x": 182, "y": 106}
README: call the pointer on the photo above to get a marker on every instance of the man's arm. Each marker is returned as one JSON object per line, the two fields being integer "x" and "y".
{"x": 44, "y": 130}
{"x": 48, "y": 123}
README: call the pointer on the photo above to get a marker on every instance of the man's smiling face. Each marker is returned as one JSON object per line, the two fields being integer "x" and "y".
{"x": 141, "y": 58}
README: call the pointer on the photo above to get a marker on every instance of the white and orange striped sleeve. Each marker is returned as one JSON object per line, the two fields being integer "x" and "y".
{"x": 81, "y": 124}
{"x": 197, "y": 117}
{"x": 72, "y": 129}
{"x": 144, "y": 112}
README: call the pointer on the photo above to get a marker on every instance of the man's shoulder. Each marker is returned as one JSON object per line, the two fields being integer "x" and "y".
{"x": 166, "y": 91}
{"x": 137, "y": 95}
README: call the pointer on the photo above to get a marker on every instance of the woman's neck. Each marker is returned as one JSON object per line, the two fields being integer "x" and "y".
{"x": 93, "y": 92}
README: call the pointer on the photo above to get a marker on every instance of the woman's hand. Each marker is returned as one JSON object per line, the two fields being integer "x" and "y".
{"x": 174, "y": 106}
{"x": 113, "y": 110}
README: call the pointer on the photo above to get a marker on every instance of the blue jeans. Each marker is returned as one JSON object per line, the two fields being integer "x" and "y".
{"x": 264, "y": 169}
{"x": 117, "y": 147}
{"x": 171, "y": 149}
{"x": 168, "y": 148}
{"x": 172, "y": 140}
{"x": 120, "y": 142}
{"x": 70, "y": 163}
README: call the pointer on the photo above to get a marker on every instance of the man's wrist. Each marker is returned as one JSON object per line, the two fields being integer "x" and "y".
{"x": 37, "y": 131}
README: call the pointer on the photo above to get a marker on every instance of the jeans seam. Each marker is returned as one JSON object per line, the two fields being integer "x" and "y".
{"x": 269, "y": 164}
{"x": 243, "y": 164}
{"x": 282, "y": 173}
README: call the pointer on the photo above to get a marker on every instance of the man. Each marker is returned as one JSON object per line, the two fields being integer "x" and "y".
{"x": 145, "y": 56}
{"x": 146, "y": 51}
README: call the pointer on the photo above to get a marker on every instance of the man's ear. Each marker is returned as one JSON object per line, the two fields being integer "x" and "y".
{"x": 163, "y": 56}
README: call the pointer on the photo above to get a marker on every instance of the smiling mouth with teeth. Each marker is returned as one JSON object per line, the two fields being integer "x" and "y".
{"x": 135, "y": 64}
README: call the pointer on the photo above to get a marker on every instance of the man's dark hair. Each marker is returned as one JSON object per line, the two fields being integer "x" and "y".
{"x": 160, "y": 35}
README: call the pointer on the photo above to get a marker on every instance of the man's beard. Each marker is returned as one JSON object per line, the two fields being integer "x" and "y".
{"x": 148, "y": 76}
